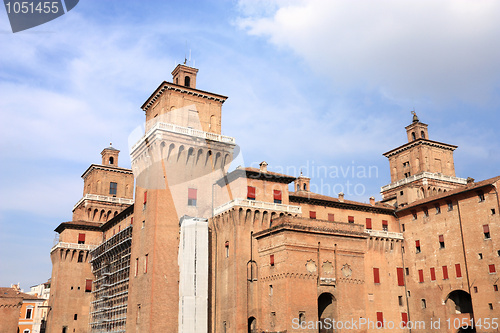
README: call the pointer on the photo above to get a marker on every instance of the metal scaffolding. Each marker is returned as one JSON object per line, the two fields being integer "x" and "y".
{"x": 111, "y": 267}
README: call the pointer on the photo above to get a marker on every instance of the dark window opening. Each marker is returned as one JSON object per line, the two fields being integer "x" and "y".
{"x": 475, "y": 289}
{"x": 112, "y": 188}
{"x": 441, "y": 241}
{"x": 424, "y": 303}
{"x": 480, "y": 256}
{"x": 407, "y": 271}
{"x": 422, "y": 134}
{"x": 413, "y": 135}
{"x": 493, "y": 211}
{"x": 28, "y": 313}
{"x": 480, "y": 195}
{"x": 403, "y": 227}
{"x": 80, "y": 257}
{"x": 495, "y": 287}
{"x": 490, "y": 305}
{"x": 400, "y": 300}
{"x": 75, "y": 316}
{"x": 111, "y": 160}
{"x": 486, "y": 231}
{"x": 187, "y": 81}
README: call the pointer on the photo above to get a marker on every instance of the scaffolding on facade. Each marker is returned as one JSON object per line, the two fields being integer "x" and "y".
{"x": 111, "y": 267}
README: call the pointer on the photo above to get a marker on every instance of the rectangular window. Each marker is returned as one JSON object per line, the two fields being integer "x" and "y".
{"x": 486, "y": 231}
{"x": 350, "y": 219}
{"x": 132, "y": 220}
{"x": 438, "y": 208}
{"x": 368, "y": 223}
{"x": 146, "y": 258}
{"x": 136, "y": 266}
{"x": 331, "y": 217}
{"x": 402, "y": 227}
{"x": 495, "y": 287}
{"x": 433, "y": 274}
{"x": 417, "y": 246}
{"x": 420, "y": 275}
{"x": 385, "y": 225}
{"x": 380, "y": 319}
{"x": 81, "y": 238}
{"x": 441, "y": 241}
{"x": 376, "y": 275}
{"x": 277, "y": 196}
{"x": 192, "y": 196}
{"x": 493, "y": 211}
{"x": 226, "y": 245}
{"x": 424, "y": 303}
{"x": 112, "y": 188}
{"x": 145, "y": 197}
{"x": 445, "y": 272}
{"x": 312, "y": 214}
{"x": 480, "y": 195}
{"x": 450, "y": 205}
{"x": 271, "y": 259}
{"x": 492, "y": 268}
{"x": 251, "y": 193}
{"x": 404, "y": 319}
{"x": 458, "y": 270}
{"x": 401, "y": 279}
{"x": 28, "y": 313}
{"x": 88, "y": 285}
{"x": 475, "y": 289}
{"x": 407, "y": 271}
{"x": 400, "y": 300}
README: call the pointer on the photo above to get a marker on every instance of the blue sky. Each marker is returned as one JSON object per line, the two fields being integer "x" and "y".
{"x": 311, "y": 85}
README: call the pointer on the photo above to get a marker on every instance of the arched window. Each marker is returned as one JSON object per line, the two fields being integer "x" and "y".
{"x": 413, "y": 136}
{"x": 111, "y": 160}
{"x": 422, "y": 134}
{"x": 298, "y": 187}
{"x": 187, "y": 81}
{"x": 305, "y": 187}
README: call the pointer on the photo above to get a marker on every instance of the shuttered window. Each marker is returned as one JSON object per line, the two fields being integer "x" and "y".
{"x": 88, "y": 286}
{"x": 145, "y": 197}
{"x": 492, "y": 268}
{"x": 380, "y": 319}
{"x": 376, "y": 275}
{"x": 433, "y": 274}
{"x": 81, "y": 238}
{"x": 331, "y": 217}
{"x": 271, "y": 259}
{"x": 277, "y": 196}
{"x": 445, "y": 272}
{"x": 350, "y": 219}
{"x": 312, "y": 214}
{"x": 420, "y": 275}
{"x": 368, "y": 223}
{"x": 401, "y": 280}
{"x": 251, "y": 193}
{"x": 458, "y": 270}
{"x": 404, "y": 319}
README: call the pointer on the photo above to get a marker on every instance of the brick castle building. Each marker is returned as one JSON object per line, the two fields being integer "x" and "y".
{"x": 180, "y": 244}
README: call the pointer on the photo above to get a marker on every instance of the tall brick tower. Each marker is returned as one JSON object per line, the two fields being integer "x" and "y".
{"x": 420, "y": 168}
{"x": 175, "y": 164}
{"x": 108, "y": 189}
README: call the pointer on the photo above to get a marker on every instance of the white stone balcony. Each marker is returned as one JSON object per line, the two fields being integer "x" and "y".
{"x": 258, "y": 205}
{"x": 104, "y": 198}
{"x": 168, "y": 127}
{"x": 73, "y": 246}
{"x": 429, "y": 175}
{"x": 384, "y": 234}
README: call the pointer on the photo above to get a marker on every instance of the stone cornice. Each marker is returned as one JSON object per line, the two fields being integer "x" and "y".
{"x": 105, "y": 167}
{"x": 182, "y": 89}
{"x": 419, "y": 142}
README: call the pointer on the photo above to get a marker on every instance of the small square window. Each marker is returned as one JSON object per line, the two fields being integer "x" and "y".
{"x": 490, "y": 305}
{"x": 312, "y": 214}
{"x": 350, "y": 219}
{"x": 493, "y": 212}
{"x": 475, "y": 289}
{"x": 401, "y": 193}
{"x": 480, "y": 256}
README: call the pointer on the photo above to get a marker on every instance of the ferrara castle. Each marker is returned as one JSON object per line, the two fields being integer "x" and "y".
{"x": 179, "y": 243}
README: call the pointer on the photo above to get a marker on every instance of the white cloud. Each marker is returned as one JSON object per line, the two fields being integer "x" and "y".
{"x": 408, "y": 49}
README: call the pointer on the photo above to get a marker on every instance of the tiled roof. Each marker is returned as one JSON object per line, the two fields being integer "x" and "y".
{"x": 468, "y": 187}
{"x": 316, "y": 196}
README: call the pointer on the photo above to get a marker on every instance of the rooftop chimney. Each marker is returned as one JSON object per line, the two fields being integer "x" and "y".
{"x": 263, "y": 166}
{"x": 341, "y": 196}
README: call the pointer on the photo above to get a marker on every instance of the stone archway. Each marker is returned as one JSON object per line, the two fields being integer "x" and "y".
{"x": 252, "y": 325}
{"x": 459, "y": 303}
{"x": 326, "y": 312}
